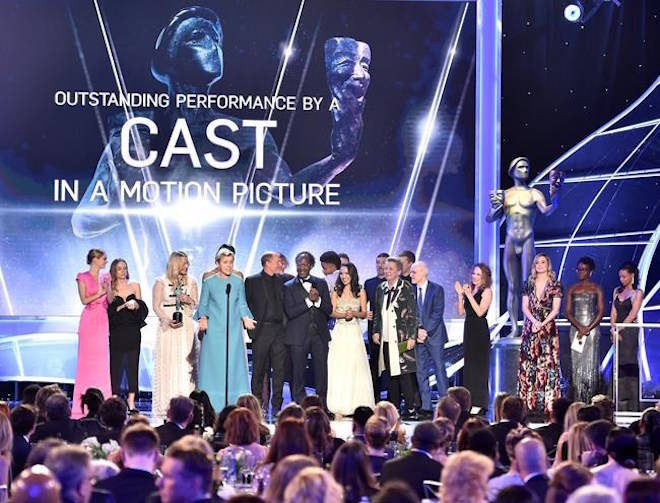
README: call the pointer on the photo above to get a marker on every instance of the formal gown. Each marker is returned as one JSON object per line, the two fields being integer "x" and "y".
{"x": 586, "y": 367}
{"x": 628, "y": 363}
{"x": 93, "y": 366}
{"x": 173, "y": 368}
{"x": 125, "y": 339}
{"x": 539, "y": 372}
{"x": 476, "y": 353}
{"x": 349, "y": 376}
{"x": 213, "y": 353}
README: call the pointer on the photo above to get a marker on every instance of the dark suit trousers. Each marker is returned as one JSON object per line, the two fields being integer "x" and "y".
{"x": 319, "y": 349}
{"x": 402, "y": 383}
{"x": 373, "y": 361}
{"x": 430, "y": 356}
{"x": 268, "y": 349}
{"x": 124, "y": 360}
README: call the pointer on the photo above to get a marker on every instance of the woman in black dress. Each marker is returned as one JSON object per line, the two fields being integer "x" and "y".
{"x": 473, "y": 302}
{"x": 126, "y": 314}
{"x": 625, "y": 307}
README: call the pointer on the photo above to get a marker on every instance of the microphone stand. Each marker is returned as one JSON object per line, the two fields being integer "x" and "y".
{"x": 228, "y": 290}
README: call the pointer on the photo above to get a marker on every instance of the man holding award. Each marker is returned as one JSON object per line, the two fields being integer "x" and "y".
{"x": 395, "y": 331}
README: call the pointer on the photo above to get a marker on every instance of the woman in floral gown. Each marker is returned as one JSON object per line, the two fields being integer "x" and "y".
{"x": 539, "y": 372}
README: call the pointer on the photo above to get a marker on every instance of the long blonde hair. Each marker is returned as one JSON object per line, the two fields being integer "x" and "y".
{"x": 577, "y": 441}
{"x": 551, "y": 272}
{"x": 173, "y": 268}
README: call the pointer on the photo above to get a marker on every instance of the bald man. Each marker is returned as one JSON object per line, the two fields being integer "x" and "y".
{"x": 36, "y": 485}
{"x": 432, "y": 335}
{"x": 533, "y": 466}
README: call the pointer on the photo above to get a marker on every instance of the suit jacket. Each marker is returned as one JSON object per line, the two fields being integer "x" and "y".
{"x": 19, "y": 454}
{"x": 129, "y": 485}
{"x": 170, "y": 433}
{"x": 299, "y": 316}
{"x": 433, "y": 309}
{"x": 68, "y": 430}
{"x": 256, "y": 294}
{"x": 500, "y": 430}
{"x": 413, "y": 469}
{"x": 370, "y": 287}
{"x": 550, "y": 434}
{"x": 407, "y": 322}
{"x": 538, "y": 484}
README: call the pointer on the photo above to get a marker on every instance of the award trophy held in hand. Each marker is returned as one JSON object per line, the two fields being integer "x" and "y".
{"x": 177, "y": 315}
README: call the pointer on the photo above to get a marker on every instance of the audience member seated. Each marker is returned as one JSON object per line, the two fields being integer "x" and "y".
{"x": 396, "y": 492}
{"x": 446, "y": 428}
{"x": 220, "y": 431}
{"x": 42, "y": 396}
{"x": 605, "y": 405}
{"x": 644, "y": 490}
{"x": 419, "y": 465}
{"x": 622, "y": 456}
{"x": 513, "y": 414}
{"x": 35, "y": 485}
{"x": 4, "y": 408}
{"x": 6, "y": 442}
{"x": 291, "y": 411}
{"x": 179, "y": 415}
{"x": 311, "y": 401}
{"x": 251, "y": 403}
{"x": 286, "y": 470}
{"x": 324, "y": 443}
{"x": 140, "y": 449}
{"x": 512, "y": 477}
{"x": 29, "y": 395}
{"x": 648, "y": 440}
{"x": 203, "y": 412}
{"x": 360, "y": 417}
{"x": 515, "y": 494}
{"x": 449, "y": 408}
{"x": 567, "y": 478}
{"x": 465, "y": 478}
{"x": 532, "y": 465}
{"x": 463, "y": 398}
{"x": 497, "y": 405}
{"x": 103, "y": 469}
{"x": 377, "y": 436}
{"x": 58, "y": 421}
{"x": 71, "y": 465}
{"x": 290, "y": 438}
{"x": 389, "y": 412}
{"x": 483, "y": 442}
{"x": 313, "y": 484}
{"x": 39, "y": 451}
{"x": 242, "y": 433}
{"x": 551, "y": 432}
{"x": 23, "y": 423}
{"x": 91, "y": 400}
{"x": 569, "y": 420}
{"x": 577, "y": 443}
{"x": 597, "y": 433}
{"x": 187, "y": 471}
{"x": 352, "y": 470}
{"x": 594, "y": 494}
{"x": 588, "y": 413}
{"x": 113, "y": 413}
{"x": 472, "y": 424}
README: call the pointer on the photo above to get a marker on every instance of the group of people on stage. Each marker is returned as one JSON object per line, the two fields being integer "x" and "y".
{"x": 290, "y": 317}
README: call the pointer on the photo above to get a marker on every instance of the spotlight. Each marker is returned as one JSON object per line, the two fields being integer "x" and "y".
{"x": 574, "y": 11}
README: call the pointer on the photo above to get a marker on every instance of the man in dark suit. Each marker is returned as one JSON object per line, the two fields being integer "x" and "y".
{"x": 463, "y": 397}
{"x": 432, "y": 335}
{"x": 512, "y": 416}
{"x": 264, "y": 296}
{"x": 180, "y": 415}
{"x": 58, "y": 422}
{"x": 135, "y": 482}
{"x": 23, "y": 420}
{"x": 532, "y": 465}
{"x": 551, "y": 432}
{"x": 370, "y": 286}
{"x": 419, "y": 465}
{"x": 307, "y": 306}
{"x": 407, "y": 258}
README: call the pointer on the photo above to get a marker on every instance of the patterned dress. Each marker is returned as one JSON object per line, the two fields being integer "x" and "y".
{"x": 539, "y": 372}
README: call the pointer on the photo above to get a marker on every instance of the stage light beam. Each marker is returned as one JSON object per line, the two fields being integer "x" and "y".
{"x": 574, "y": 11}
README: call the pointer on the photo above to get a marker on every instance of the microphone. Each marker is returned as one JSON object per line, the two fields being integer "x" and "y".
{"x": 228, "y": 289}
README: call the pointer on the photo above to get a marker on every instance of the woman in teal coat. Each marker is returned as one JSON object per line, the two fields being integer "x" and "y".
{"x": 212, "y": 315}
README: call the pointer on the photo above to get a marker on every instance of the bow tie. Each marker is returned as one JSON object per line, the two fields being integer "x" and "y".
{"x": 306, "y": 280}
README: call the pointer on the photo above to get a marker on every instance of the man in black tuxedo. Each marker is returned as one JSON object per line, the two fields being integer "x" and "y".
{"x": 532, "y": 465}
{"x": 370, "y": 286}
{"x": 551, "y": 432}
{"x": 512, "y": 416}
{"x": 135, "y": 482}
{"x": 58, "y": 422}
{"x": 307, "y": 306}
{"x": 179, "y": 415}
{"x": 23, "y": 420}
{"x": 419, "y": 465}
{"x": 265, "y": 299}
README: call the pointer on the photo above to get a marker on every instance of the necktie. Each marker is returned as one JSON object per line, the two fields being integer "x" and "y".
{"x": 420, "y": 301}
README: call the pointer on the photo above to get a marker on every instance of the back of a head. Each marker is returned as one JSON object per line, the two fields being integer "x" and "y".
{"x": 559, "y": 407}
{"x": 291, "y": 411}
{"x": 387, "y": 411}
{"x": 484, "y": 442}
{"x": 462, "y": 396}
{"x": 317, "y": 425}
{"x": 284, "y": 472}
{"x": 23, "y": 418}
{"x": 6, "y": 434}
{"x": 71, "y": 466}
{"x": 376, "y": 432}
{"x": 40, "y": 451}
{"x": 92, "y": 399}
{"x": 589, "y": 413}
{"x": 497, "y": 404}
{"x": 594, "y": 493}
{"x": 57, "y": 407}
{"x": 180, "y": 409}
{"x": 531, "y": 456}
{"x": 242, "y": 427}
{"x": 140, "y": 440}
{"x": 567, "y": 478}
{"x": 102, "y": 469}
{"x": 35, "y": 485}
{"x": 361, "y": 415}
{"x": 311, "y": 401}
{"x": 472, "y": 424}
{"x": 449, "y": 408}
{"x": 646, "y": 490}
{"x": 597, "y": 432}
{"x": 250, "y": 402}
{"x": 515, "y": 436}
{"x": 513, "y": 409}
{"x": 426, "y": 436}
{"x": 43, "y": 395}
{"x": 447, "y": 430}
{"x": 606, "y": 406}
{"x": 352, "y": 469}
{"x": 222, "y": 417}
{"x": 196, "y": 460}
{"x": 313, "y": 485}
{"x": 395, "y": 492}
{"x": 622, "y": 447}
{"x": 464, "y": 477}
{"x": 30, "y": 394}
{"x": 290, "y": 438}
{"x": 113, "y": 412}
{"x": 516, "y": 494}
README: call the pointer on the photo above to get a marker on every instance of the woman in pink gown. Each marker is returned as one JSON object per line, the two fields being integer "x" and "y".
{"x": 93, "y": 369}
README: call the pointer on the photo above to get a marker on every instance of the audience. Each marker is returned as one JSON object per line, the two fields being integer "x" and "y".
{"x": 291, "y": 411}
{"x": 472, "y": 424}
{"x": 324, "y": 443}
{"x": 513, "y": 414}
{"x": 43, "y": 394}
{"x": 112, "y": 413}
{"x": 463, "y": 398}
{"x": 551, "y": 432}
{"x": 284, "y": 473}
{"x": 515, "y": 494}
{"x": 577, "y": 442}
{"x": 483, "y": 441}
{"x": 72, "y": 467}
{"x": 91, "y": 400}
{"x": 594, "y": 494}
{"x": 389, "y": 412}
{"x": 605, "y": 405}
{"x": 377, "y": 435}
{"x": 29, "y": 395}
{"x": 622, "y": 456}
{"x": 352, "y": 470}
{"x": 23, "y": 423}
{"x": 360, "y": 417}
{"x": 465, "y": 478}
{"x": 242, "y": 432}
{"x": 36, "y": 485}
{"x": 313, "y": 484}
{"x": 446, "y": 428}
{"x": 497, "y": 405}
{"x": 219, "y": 429}
{"x": 532, "y": 465}
{"x": 6, "y": 443}
{"x": 396, "y": 492}
{"x": 597, "y": 434}
{"x": 568, "y": 477}
{"x": 179, "y": 415}
{"x": 58, "y": 421}
{"x": 645, "y": 490}
{"x": 251, "y": 403}
{"x": 290, "y": 438}
{"x": 449, "y": 408}
{"x": 648, "y": 440}
{"x": 588, "y": 413}
{"x": 39, "y": 451}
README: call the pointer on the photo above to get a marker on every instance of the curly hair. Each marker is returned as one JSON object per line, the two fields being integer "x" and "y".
{"x": 465, "y": 477}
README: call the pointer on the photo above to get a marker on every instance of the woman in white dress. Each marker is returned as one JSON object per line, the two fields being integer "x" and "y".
{"x": 173, "y": 372}
{"x": 349, "y": 377}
